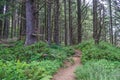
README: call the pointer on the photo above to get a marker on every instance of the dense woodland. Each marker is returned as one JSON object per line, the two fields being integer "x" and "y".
{"x": 37, "y": 34}
{"x": 60, "y": 21}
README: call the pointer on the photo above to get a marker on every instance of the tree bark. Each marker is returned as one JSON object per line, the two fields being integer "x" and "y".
{"x": 49, "y": 20}
{"x": 70, "y": 23}
{"x": 1, "y": 22}
{"x": 56, "y": 22}
{"x": 65, "y": 24}
{"x": 30, "y": 20}
{"x": 79, "y": 21}
{"x": 23, "y": 22}
{"x": 95, "y": 22}
{"x": 111, "y": 23}
{"x": 6, "y": 23}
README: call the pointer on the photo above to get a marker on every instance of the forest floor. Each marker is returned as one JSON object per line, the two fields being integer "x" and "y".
{"x": 69, "y": 67}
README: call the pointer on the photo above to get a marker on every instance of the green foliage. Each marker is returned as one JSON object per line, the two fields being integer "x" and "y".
{"x": 23, "y": 71}
{"x": 39, "y": 51}
{"x": 90, "y": 51}
{"x": 36, "y": 62}
{"x": 100, "y": 62}
{"x": 99, "y": 70}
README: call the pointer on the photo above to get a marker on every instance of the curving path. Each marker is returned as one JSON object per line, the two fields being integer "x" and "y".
{"x": 67, "y": 73}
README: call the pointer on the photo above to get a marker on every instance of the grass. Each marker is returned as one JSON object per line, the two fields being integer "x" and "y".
{"x": 104, "y": 50}
{"x": 99, "y": 70}
{"x": 100, "y": 62}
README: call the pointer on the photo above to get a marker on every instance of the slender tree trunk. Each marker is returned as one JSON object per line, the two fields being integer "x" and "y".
{"x": 100, "y": 23}
{"x": 23, "y": 22}
{"x": 6, "y": 24}
{"x": 70, "y": 23}
{"x": 49, "y": 20}
{"x": 115, "y": 22}
{"x": 95, "y": 22}
{"x": 15, "y": 22}
{"x": 65, "y": 25}
{"x": 115, "y": 37}
{"x": 46, "y": 30}
{"x": 111, "y": 22}
{"x": 39, "y": 29}
{"x": 1, "y": 22}
{"x": 104, "y": 27}
{"x": 79, "y": 21}
{"x": 56, "y": 22}
{"x": 12, "y": 29}
{"x": 30, "y": 20}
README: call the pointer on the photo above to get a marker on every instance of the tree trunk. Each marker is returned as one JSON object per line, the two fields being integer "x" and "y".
{"x": 70, "y": 23}
{"x": 111, "y": 22}
{"x": 30, "y": 20}
{"x": 56, "y": 22}
{"x": 79, "y": 21}
{"x": 95, "y": 22}
{"x": 6, "y": 23}
{"x": 23, "y": 22}
{"x": 45, "y": 21}
{"x": 49, "y": 20}
{"x": 65, "y": 25}
{"x": 1, "y": 22}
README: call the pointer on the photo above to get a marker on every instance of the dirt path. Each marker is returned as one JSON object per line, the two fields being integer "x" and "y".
{"x": 67, "y": 73}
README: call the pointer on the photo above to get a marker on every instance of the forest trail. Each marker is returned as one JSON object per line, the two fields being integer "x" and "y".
{"x": 67, "y": 72}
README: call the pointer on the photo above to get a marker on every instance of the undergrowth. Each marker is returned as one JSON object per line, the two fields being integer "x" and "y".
{"x": 99, "y": 70}
{"x": 36, "y": 62}
{"x": 43, "y": 70}
{"x": 100, "y": 62}
{"x": 104, "y": 50}
{"x": 39, "y": 51}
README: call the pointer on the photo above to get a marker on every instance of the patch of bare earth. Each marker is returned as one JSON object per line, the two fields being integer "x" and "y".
{"x": 67, "y": 72}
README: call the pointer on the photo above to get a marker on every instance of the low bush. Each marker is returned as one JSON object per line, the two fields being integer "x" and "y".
{"x": 36, "y": 62}
{"x": 39, "y": 51}
{"x": 43, "y": 70}
{"x": 104, "y": 50}
{"x": 99, "y": 70}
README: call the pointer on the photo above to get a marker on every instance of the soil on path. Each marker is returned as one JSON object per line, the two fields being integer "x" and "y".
{"x": 67, "y": 72}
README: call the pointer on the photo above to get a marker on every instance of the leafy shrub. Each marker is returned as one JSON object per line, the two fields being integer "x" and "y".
{"x": 99, "y": 70}
{"x": 69, "y": 50}
{"x": 36, "y": 62}
{"x": 104, "y": 50}
{"x": 23, "y": 71}
{"x": 39, "y": 51}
